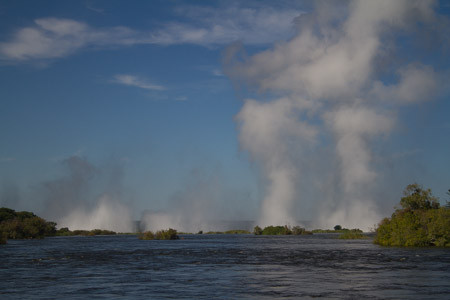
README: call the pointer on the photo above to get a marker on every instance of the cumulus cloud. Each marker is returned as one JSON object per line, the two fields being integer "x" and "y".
{"x": 52, "y": 38}
{"x": 135, "y": 81}
{"x": 334, "y": 97}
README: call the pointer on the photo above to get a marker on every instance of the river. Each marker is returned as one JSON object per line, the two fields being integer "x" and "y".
{"x": 220, "y": 267}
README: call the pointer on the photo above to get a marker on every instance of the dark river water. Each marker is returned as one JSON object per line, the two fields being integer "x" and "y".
{"x": 220, "y": 267}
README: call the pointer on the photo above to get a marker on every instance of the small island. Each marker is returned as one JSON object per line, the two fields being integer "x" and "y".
{"x": 170, "y": 234}
{"x": 281, "y": 230}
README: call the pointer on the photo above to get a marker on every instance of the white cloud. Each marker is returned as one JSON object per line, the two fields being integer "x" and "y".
{"x": 217, "y": 26}
{"x": 52, "y": 38}
{"x": 135, "y": 81}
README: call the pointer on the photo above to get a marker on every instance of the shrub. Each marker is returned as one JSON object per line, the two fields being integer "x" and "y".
{"x": 280, "y": 230}
{"x": 24, "y": 225}
{"x": 237, "y": 231}
{"x": 276, "y": 230}
{"x": 170, "y": 234}
{"x": 148, "y": 235}
{"x": 297, "y": 230}
{"x": 420, "y": 222}
{"x": 101, "y": 232}
{"x": 351, "y": 235}
{"x": 257, "y": 230}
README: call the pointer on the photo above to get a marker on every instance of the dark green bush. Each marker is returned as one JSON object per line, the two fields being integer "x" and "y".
{"x": 257, "y": 230}
{"x": 280, "y": 230}
{"x": 352, "y": 235}
{"x": 24, "y": 225}
{"x": 237, "y": 231}
{"x": 419, "y": 223}
{"x": 337, "y": 227}
{"x": 297, "y": 230}
{"x": 148, "y": 235}
{"x": 170, "y": 234}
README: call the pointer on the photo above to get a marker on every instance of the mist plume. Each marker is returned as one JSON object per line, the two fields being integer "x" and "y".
{"x": 327, "y": 100}
{"x": 87, "y": 197}
{"x": 192, "y": 208}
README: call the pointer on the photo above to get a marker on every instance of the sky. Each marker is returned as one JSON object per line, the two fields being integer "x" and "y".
{"x": 189, "y": 114}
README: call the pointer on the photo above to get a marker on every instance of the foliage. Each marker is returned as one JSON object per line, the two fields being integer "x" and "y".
{"x": 66, "y": 232}
{"x": 24, "y": 225}
{"x": 343, "y": 230}
{"x": 297, "y": 230}
{"x": 170, "y": 234}
{"x": 420, "y": 222}
{"x": 351, "y": 235}
{"x": 148, "y": 235}
{"x": 337, "y": 227}
{"x": 233, "y": 231}
{"x": 101, "y": 232}
{"x": 237, "y": 231}
{"x": 280, "y": 230}
{"x": 257, "y": 230}
{"x": 276, "y": 230}
{"x": 416, "y": 198}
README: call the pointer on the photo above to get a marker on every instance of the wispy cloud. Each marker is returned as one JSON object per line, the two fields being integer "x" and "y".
{"x": 52, "y": 38}
{"x": 218, "y": 26}
{"x": 135, "y": 81}
{"x": 91, "y": 6}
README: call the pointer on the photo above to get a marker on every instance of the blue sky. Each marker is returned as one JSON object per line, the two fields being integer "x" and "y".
{"x": 140, "y": 86}
{"x": 159, "y": 109}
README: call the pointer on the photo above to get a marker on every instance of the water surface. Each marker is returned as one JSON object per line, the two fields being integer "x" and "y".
{"x": 220, "y": 267}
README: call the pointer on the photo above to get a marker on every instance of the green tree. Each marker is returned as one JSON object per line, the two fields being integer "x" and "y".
{"x": 420, "y": 222}
{"x": 257, "y": 230}
{"x": 415, "y": 197}
{"x": 337, "y": 227}
{"x": 24, "y": 225}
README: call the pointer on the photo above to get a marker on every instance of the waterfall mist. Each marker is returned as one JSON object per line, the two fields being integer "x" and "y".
{"x": 87, "y": 197}
{"x": 326, "y": 100}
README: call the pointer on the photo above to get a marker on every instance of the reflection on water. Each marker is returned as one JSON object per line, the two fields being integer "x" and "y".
{"x": 220, "y": 267}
